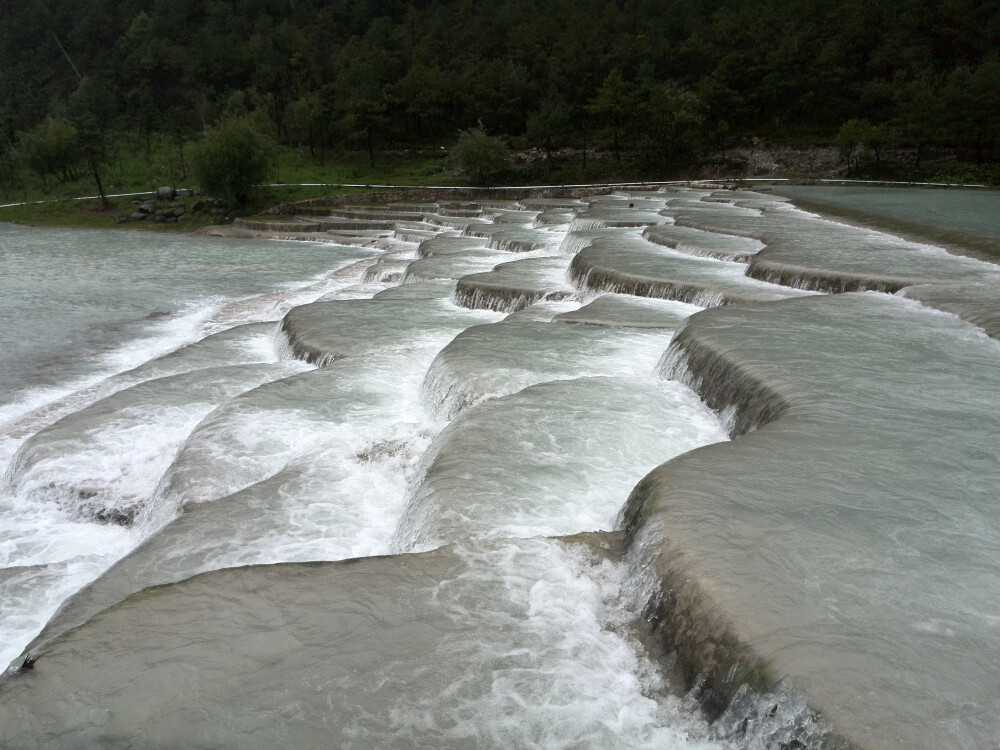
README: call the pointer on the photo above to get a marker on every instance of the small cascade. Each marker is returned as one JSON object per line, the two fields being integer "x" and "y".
{"x": 827, "y": 282}
{"x": 800, "y": 384}
{"x": 490, "y": 361}
{"x": 448, "y": 245}
{"x": 413, "y": 235}
{"x": 103, "y": 462}
{"x": 974, "y": 303}
{"x": 704, "y": 244}
{"x": 376, "y": 213}
{"x": 553, "y": 218}
{"x": 512, "y": 286}
{"x": 323, "y": 332}
{"x": 577, "y": 240}
{"x": 441, "y": 290}
{"x": 805, "y": 252}
{"x": 631, "y": 265}
{"x": 618, "y": 490}
{"x": 513, "y": 238}
{"x": 451, "y": 266}
{"x": 516, "y": 216}
{"x": 552, "y": 204}
{"x": 627, "y": 311}
{"x": 474, "y": 295}
{"x": 549, "y": 471}
{"x": 541, "y": 617}
{"x": 452, "y": 222}
{"x": 389, "y": 268}
{"x": 335, "y": 225}
{"x": 589, "y": 276}
{"x": 583, "y": 223}
{"x": 745, "y": 403}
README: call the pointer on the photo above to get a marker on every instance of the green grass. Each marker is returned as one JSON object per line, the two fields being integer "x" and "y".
{"x": 410, "y": 167}
{"x": 131, "y": 169}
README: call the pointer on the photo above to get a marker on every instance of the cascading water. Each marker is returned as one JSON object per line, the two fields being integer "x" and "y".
{"x": 193, "y": 454}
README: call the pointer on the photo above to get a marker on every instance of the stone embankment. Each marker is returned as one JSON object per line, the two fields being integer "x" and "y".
{"x": 171, "y": 206}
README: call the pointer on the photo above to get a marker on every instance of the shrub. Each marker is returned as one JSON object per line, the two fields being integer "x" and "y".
{"x": 478, "y": 155}
{"x": 233, "y": 159}
{"x": 53, "y": 148}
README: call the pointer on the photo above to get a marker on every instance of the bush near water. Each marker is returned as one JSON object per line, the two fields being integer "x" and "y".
{"x": 116, "y": 96}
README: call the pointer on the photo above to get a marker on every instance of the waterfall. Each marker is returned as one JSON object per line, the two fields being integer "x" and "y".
{"x": 592, "y": 473}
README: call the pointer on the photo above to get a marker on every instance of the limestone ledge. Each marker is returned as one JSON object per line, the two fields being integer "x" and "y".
{"x": 718, "y": 666}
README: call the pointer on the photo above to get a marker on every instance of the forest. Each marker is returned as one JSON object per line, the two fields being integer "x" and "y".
{"x": 650, "y": 85}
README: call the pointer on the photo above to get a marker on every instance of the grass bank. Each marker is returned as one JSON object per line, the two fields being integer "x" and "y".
{"x": 138, "y": 166}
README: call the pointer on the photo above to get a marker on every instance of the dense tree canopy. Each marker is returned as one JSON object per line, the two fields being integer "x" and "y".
{"x": 652, "y": 78}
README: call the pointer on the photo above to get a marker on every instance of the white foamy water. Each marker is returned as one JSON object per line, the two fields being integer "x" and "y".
{"x": 196, "y": 440}
{"x": 208, "y": 405}
{"x": 108, "y": 364}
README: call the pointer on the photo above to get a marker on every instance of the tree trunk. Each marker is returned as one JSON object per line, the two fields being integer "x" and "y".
{"x": 180, "y": 151}
{"x": 95, "y": 170}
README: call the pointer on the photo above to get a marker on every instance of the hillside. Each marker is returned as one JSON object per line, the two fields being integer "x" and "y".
{"x": 653, "y": 84}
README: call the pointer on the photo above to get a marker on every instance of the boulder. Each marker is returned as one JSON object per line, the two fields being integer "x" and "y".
{"x": 165, "y": 193}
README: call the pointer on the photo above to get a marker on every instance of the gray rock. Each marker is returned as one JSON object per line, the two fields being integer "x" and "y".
{"x": 165, "y": 193}
{"x": 137, "y": 216}
{"x": 147, "y": 207}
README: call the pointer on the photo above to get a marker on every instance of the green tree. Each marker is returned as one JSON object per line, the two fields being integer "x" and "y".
{"x": 426, "y": 96}
{"x": 305, "y": 121}
{"x": 613, "y": 105}
{"x": 92, "y": 108}
{"x": 479, "y": 155}
{"x": 362, "y": 88}
{"x": 875, "y": 138}
{"x": 919, "y": 111}
{"x": 52, "y": 149}
{"x": 548, "y": 124}
{"x": 850, "y": 139}
{"x": 669, "y": 124}
{"x": 971, "y": 99}
{"x": 233, "y": 159}
{"x": 10, "y": 174}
